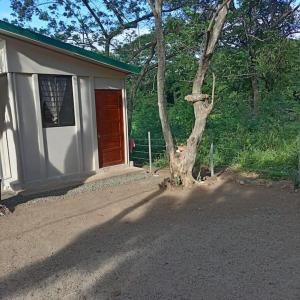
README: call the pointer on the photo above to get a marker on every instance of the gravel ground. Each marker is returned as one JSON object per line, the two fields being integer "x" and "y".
{"x": 10, "y": 200}
{"x": 137, "y": 241}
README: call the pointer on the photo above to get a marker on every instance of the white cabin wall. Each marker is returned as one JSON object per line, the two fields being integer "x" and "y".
{"x": 61, "y": 151}
{"x": 28, "y": 128}
{"x": 108, "y": 83}
{"x": 10, "y": 155}
{"x": 3, "y": 61}
{"x": 25, "y": 57}
{"x": 5, "y": 167}
{"x": 87, "y": 133}
{"x": 36, "y": 154}
{"x": 49, "y": 152}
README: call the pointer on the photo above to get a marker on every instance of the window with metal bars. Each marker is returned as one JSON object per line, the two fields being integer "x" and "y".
{"x": 57, "y": 103}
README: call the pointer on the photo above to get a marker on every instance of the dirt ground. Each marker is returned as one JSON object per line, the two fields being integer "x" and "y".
{"x": 137, "y": 241}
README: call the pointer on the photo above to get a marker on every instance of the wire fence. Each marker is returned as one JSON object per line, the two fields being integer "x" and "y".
{"x": 147, "y": 151}
{"x": 266, "y": 162}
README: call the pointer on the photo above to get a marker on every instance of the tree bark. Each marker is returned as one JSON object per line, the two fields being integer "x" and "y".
{"x": 156, "y": 6}
{"x": 255, "y": 95}
{"x": 107, "y": 48}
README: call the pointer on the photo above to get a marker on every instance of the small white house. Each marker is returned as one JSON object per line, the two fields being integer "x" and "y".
{"x": 62, "y": 110}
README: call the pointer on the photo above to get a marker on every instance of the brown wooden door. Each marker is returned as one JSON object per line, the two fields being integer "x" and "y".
{"x": 109, "y": 112}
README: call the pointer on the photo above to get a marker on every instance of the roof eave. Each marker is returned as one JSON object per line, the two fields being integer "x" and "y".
{"x": 70, "y": 53}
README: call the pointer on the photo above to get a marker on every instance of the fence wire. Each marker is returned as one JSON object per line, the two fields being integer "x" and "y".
{"x": 140, "y": 152}
{"x": 245, "y": 158}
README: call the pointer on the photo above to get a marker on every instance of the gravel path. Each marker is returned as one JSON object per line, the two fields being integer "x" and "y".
{"x": 10, "y": 200}
{"x": 136, "y": 241}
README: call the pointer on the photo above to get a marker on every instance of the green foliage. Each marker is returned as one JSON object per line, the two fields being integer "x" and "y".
{"x": 146, "y": 118}
{"x": 266, "y": 144}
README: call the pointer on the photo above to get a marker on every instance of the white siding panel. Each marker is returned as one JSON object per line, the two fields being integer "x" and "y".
{"x": 28, "y": 127}
{"x": 3, "y": 101}
{"x": 3, "y": 64}
{"x": 24, "y": 57}
{"x": 5, "y": 168}
{"x": 87, "y": 123}
{"x": 108, "y": 83}
{"x": 61, "y": 151}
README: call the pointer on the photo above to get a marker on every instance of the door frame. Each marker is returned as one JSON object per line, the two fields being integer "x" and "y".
{"x": 125, "y": 128}
{"x": 125, "y": 124}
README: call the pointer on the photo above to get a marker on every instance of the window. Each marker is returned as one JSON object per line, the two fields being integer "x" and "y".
{"x": 56, "y": 97}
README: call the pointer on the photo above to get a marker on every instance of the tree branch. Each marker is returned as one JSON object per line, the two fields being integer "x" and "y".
{"x": 97, "y": 19}
{"x": 110, "y": 5}
{"x": 284, "y": 16}
{"x": 134, "y": 23}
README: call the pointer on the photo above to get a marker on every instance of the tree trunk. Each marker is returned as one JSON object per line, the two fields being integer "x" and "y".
{"x": 156, "y": 6}
{"x": 255, "y": 94}
{"x": 107, "y": 47}
{"x": 182, "y": 161}
{"x": 254, "y": 82}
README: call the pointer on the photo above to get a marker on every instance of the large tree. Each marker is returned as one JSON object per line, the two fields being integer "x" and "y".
{"x": 95, "y": 25}
{"x": 254, "y": 27}
{"x": 182, "y": 160}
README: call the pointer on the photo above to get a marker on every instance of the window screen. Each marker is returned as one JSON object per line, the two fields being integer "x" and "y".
{"x": 56, "y": 97}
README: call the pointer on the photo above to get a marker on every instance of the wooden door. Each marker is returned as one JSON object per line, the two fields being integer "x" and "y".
{"x": 110, "y": 131}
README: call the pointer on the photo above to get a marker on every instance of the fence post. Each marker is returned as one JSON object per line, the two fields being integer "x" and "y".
{"x": 211, "y": 158}
{"x": 150, "y": 154}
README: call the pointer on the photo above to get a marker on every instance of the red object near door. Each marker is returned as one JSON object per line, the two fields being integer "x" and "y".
{"x": 110, "y": 131}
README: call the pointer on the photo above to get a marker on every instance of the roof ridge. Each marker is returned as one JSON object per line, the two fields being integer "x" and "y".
{"x": 29, "y": 34}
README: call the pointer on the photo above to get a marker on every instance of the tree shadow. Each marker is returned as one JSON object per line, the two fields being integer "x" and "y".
{"x": 11, "y": 202}
{"x": 211, "y": 243}
{"x": 86, "y": 246}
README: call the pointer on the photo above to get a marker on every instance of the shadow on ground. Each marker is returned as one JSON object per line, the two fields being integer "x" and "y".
{"x": 12, "y": 201}
{"x": 231, "y": 242}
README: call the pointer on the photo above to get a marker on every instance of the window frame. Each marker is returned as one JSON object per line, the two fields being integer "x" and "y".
{"x": 46, "y": 124}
